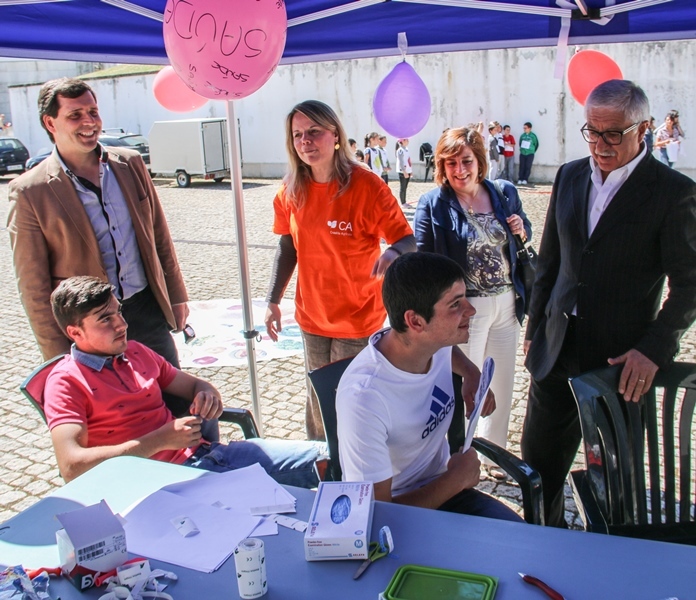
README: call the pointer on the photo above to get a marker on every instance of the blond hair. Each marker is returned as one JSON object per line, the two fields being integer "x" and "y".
{"x": 299, "y": 173}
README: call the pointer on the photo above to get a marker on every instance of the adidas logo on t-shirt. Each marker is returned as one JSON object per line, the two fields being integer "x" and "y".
{"x": 440, "y": 407}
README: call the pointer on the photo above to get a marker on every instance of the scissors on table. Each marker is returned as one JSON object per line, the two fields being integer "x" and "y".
{"x": 377, "y": 550}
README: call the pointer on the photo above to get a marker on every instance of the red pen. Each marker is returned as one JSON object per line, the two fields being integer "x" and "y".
{"x": 549, "y": 591}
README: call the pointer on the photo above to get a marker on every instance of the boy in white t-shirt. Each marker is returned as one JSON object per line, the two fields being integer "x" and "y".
{"x": 396, "y": 399}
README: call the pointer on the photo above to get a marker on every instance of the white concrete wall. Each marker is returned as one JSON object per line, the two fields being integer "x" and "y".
{"x": 16, "y": 71}
{"x": 511, "y": 86}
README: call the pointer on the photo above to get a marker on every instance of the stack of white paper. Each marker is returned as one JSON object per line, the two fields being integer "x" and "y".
{"x": 224, "y": 507}
{"x": 250, "y": 488}
{"x": 150, "y": 532}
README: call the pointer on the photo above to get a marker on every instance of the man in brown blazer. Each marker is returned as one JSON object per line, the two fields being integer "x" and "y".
{"x": 89, "y": 210}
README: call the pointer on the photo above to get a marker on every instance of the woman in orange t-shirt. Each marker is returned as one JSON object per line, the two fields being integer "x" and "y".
{"x": 331, "y": 214}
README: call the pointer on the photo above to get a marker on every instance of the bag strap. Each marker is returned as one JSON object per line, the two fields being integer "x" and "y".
{"x": 506, "y": 209}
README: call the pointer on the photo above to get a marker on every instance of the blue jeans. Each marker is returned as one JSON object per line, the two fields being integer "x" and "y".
{"x": 526, "y": 161}
{"x": 478, "y": 504}
{"x": 288, "y": 462}
{"x": 664, "y": 157}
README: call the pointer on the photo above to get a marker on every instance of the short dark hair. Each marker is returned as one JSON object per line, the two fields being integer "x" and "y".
{"x": 68, "y": 87}
{"x": 76, "y": 297}
{"x": 528, "y": 124}
{"x": 416, "y": 281}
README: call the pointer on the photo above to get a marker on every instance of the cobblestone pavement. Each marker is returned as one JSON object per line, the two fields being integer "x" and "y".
{"x": 201, "y": 221}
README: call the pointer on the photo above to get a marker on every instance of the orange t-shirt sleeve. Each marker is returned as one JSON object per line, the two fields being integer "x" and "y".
{"x": 388, "y": 218}
{"x": 281, "y": 218}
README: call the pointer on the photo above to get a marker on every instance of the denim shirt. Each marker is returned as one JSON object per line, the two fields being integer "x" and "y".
{"x": 440, "y": 226}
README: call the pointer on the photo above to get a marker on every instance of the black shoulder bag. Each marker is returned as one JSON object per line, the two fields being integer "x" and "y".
{"x": 526, "y": 254}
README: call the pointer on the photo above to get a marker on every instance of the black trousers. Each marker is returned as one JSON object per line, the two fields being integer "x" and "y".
{"x": 551, "y": 434}
{"x": 385, "y": 177}
{"x": 147, "y": 325}
{"x": 403, "y": 184}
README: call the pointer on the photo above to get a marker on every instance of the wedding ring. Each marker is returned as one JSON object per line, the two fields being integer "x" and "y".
{"x": 641, "y": 381}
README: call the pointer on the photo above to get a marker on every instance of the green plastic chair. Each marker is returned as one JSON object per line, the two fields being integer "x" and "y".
{"x": 33, "y": 389}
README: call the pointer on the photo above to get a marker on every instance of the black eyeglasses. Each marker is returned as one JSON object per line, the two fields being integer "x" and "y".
{"x": 612, "y": 138}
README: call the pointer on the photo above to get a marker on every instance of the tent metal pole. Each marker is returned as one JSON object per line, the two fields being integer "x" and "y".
{"x": 250, "y": 333}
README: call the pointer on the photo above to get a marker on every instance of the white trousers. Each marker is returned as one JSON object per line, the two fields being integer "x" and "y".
{"x": 495, "y": 332}
{"x": 492, "y": 169}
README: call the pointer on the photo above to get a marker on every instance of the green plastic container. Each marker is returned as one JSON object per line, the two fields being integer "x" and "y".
{"x": 413, "y": 582}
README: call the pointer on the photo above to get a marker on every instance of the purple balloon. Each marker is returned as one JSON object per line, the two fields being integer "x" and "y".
{"x": 402, "y": 102}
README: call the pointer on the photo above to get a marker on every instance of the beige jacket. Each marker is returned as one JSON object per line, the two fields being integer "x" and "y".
{"x": 52, "y": 239}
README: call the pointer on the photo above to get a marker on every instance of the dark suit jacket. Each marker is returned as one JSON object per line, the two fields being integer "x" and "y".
{"x": 52, "y": 239}
{"x": 615, "y": 277}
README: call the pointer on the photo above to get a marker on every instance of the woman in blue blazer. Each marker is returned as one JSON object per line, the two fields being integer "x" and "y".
{"x": 466, "y": 219}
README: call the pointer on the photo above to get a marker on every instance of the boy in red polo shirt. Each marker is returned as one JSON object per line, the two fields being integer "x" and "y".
{"x": 104, "y": 399}
{"x": 509, "y": 153}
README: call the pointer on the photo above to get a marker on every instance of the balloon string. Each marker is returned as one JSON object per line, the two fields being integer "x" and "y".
{"x": 403, "y": 45}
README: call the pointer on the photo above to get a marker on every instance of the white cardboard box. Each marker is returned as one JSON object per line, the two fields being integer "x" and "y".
{"x": 340, "y": 522}
{"x": 92, "y": 541}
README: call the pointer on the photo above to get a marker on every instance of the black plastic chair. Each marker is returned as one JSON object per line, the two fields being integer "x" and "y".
{"x": 426, "y": 156}
{"x": 325, "y": 382}
{"x": 637, "y": 481}
{"x": 33, "y": 389}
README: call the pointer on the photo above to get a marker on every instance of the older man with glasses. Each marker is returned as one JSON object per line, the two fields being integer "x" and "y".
{"x": 619, "y": 223}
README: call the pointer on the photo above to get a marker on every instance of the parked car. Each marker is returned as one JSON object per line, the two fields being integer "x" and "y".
{"x": 13, "y": 155}
{"x": 129, "y": 140}
{"x": 40, "y": 157}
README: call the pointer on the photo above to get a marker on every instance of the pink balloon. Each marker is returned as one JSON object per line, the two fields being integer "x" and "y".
{"x": 225, "y": 49}
{"x": 172, "y": 93}
{"x": 587, "y": 69}
{"x": 402, "y": 102}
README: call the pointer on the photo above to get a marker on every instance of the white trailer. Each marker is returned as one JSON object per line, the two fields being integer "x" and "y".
{"x": 190, "y": 147}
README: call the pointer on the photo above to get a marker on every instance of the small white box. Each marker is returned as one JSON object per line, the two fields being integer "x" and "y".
{"x": 92, "y": 541}
{"x": 340, "y": 522}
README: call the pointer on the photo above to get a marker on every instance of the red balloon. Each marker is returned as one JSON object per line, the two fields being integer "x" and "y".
{"x": 587, "y": 69}
{"x": 173, "y": 94}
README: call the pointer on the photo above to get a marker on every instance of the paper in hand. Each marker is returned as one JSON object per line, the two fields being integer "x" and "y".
{"x": 479, "y": 400}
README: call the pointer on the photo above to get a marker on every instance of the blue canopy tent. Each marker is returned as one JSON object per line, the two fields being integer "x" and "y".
{"x": 130, "y": 31}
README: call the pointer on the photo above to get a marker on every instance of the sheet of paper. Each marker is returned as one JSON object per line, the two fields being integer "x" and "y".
{"x": 479, "y": 398}
{"x": 267, "y": 526}
{"x": 249, "y": 488}
{"x": 150, "y": 533}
